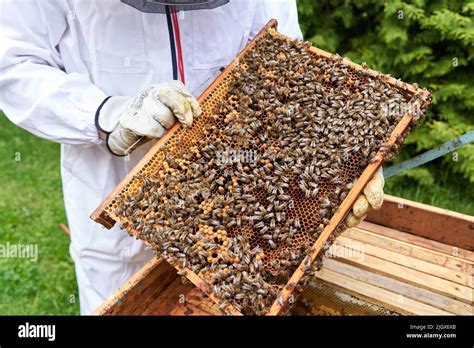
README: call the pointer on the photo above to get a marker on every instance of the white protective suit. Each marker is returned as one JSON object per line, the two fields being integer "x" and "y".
{"x": 59, "y": 59}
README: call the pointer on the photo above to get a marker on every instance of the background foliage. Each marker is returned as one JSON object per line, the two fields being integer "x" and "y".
{"x": 427, "y": 42}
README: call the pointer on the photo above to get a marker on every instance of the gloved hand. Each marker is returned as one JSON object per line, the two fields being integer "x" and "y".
{"x": 372, "y": 198}
{"x": 130, "y": 122}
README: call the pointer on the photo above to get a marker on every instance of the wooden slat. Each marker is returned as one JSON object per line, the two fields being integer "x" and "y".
{"x": 382, "y": 296}
{"x": 323, "y": 298}
{"x": 423, "y": 220}
{"x": 417, "y": 240}
{"x": 407, "y": 290}
{"x": 133, "y": 297}
{"x": 181, "y": 298}
{"x": 196, "y": 304}
{"x": 415, "y": 277}
{"x": 416, "y": 251}
{"x": 407, "y": 261}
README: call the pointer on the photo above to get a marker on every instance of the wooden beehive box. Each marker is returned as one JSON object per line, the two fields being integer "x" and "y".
{"x": 418, "y": 261}
{"x": 179, "y": 138}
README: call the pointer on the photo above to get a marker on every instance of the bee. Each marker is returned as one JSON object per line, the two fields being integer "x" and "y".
{"x": 272, "y": 223}
{"x": 325, "y": 203}
{"x": 281, "y": 302}
{"x": 223, "y": 306}
{"x": 284, "y": 197}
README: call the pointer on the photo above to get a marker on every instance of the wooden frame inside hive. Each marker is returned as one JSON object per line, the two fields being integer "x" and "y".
{"x": 105, "y": 215}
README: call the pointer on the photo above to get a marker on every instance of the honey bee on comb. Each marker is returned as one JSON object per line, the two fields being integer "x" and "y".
{"x": 241, "y": 196}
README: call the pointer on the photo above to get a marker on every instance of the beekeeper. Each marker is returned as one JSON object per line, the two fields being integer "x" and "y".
{"x": 97, "y": 76}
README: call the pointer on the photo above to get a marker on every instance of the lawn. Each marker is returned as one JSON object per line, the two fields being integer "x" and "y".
{"x": 31, "y": 209}
{"x": 456, "y": 194}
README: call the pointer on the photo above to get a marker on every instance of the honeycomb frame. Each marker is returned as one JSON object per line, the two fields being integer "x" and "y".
{"x": 182, "y": 138}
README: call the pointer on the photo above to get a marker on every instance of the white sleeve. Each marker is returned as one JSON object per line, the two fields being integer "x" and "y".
{"x": 285, "y": 11}
{"x": 35, "y": 93}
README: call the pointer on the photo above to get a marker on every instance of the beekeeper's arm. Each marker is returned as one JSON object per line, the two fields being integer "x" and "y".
{"x": 125, "y": 123}
{"x": 37, "y": 95}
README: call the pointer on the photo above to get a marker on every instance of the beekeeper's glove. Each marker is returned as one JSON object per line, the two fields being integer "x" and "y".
{"x": 372, "y": 198}
{"x": 129, "y": 122}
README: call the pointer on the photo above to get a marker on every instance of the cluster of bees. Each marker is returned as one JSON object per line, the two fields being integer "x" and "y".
{"x": 244, "y": 226}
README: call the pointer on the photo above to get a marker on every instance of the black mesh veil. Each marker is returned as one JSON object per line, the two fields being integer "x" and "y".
{"x": 159, "y": 6}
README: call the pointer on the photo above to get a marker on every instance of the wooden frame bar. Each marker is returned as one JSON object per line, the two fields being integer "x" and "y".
{"x": 100, "y": 215}
{"x": 140, "y": 289}
{"x": 438, "y": 224}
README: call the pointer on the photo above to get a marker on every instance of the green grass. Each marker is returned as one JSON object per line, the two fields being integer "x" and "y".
{"x": 31, "y": 207}
{"x": 447, "y": 190}
{"x": 453, "y": 197}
